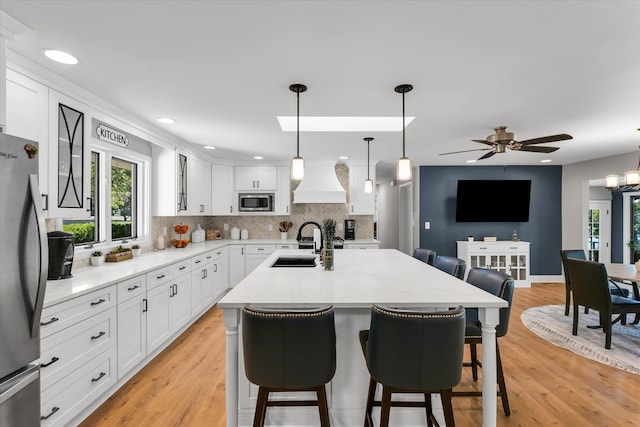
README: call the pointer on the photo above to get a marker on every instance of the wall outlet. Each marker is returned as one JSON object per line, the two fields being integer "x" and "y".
{"x": 341, "y": 226}
{"x": 427, "y": 225}
{"x": 225, "y": 226}
{"x": 270, "y": 227}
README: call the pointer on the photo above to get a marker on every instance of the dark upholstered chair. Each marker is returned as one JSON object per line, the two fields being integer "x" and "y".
{"x": 501, "y": 285}
{"x": 590, "y": 287}
{"x": 413, "y": 352}
{"x": 425, "y": 255}
{"x": 452, "y": 265}
{"x": 579, "y": 254}
{"x": 289, "y": 350}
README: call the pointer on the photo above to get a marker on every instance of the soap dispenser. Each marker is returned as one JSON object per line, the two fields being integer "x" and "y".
{"x": 198, "y": 235}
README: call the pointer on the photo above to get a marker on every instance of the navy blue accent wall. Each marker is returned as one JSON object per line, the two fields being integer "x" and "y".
{"x": 438, "y": 186}
{"x": 617, "y": 245}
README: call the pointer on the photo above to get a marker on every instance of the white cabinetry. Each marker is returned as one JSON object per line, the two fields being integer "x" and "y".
{"x": 236, "y": 264}
{"x": 256, "y": 178}
{"x": 209, "y": 279}
{"x": 222, "y": 200}
{"x": 509, "y": 257}
{"x": 283, "y": 195}
{"x": 361, "y": 203}
{"x": 78, "y": 360}
{"x": 256, "y": 254}
{"x": 361, "y": 245}
{"x": 199, "y": 195}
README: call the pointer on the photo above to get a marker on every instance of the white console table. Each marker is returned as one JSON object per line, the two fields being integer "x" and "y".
{"x": 509, "y": 257}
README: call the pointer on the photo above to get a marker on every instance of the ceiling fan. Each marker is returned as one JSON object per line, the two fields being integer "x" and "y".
{"x": 501, "y": 140}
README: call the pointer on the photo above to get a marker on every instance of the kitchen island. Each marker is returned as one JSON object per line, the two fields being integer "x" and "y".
{"x": 359, "y": 280}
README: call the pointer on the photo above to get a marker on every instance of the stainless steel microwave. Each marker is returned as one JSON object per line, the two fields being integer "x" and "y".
{"x": 255, "y": 202}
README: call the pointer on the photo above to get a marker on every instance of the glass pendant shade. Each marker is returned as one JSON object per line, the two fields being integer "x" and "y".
{"x": 611, "y": 182}
{"x": 297, "y": 168}
{"x": 403, "y": 172}
{"x": 632, "y": 177}
{"x": 368, "y": 186}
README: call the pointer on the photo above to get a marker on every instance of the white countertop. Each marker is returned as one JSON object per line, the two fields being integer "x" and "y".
{"x": 359, "y": 279}
{"x": 91, "y": 278}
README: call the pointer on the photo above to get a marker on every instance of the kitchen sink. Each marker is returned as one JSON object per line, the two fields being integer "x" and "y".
{"x": 295, "y": 261}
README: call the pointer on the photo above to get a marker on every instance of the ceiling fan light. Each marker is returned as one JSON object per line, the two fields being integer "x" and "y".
{"x": 611, "y": 182}
{"x": 632, "y": 177}
{"x": 403, "y": 171}
{"x": 297, "y": 168}
{"x": 368, "y": 186}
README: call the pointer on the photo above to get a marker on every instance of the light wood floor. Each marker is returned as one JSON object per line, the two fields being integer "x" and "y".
{"x": 548, "y": 386}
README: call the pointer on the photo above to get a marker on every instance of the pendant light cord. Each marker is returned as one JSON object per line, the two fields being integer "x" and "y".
{"x": 403, "y": 155}
{"x": 368, "y": 142}
{"x": 298, "y": 127}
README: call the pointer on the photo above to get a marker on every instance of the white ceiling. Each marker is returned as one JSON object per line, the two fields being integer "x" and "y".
{"x": 222, "y": 69}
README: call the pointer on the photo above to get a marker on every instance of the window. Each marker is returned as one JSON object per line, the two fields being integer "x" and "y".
{"x": 634, "y": 241}
{"x": 118, "y": 202}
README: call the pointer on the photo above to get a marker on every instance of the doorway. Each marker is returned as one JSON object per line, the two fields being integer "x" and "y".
{"x": 405, "y": 220}
{"x": 599, "y": 237}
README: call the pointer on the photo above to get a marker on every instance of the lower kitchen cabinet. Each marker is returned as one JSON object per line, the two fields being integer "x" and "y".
{"x": 209, "y": 279}
{"x": 236, "y": 264}
{"x": 132, "y": 333}
{"x": 255, "y": 255}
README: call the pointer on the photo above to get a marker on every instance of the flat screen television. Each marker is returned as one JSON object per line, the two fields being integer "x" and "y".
{"x": 493, "y": 200}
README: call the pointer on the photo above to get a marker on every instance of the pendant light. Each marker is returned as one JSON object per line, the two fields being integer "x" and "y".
{"x": 404, "y": 169}
{"x": 297, "y": 163}
{"x": 368, "y": 184}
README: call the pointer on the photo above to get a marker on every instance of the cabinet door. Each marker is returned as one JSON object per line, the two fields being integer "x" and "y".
{"x": 180, "y": 302}
{"x": 199, "y": 188}
{"x": 69, "y": 157}
{"x": 360, "y": 203}
{"x": 201, "y": 288}
{"x": 266, "y": 177}
{"x": 283, "y": 195}
{"x": 244, "y": 178}
{"x": 253, "y": 261}
{"x": 132, "y": 334}
{"x": 236, "y": 264}
{"x": 182, "y": 184}
{"x": 222, "y": 202}
{"x": 221, "y": 277}
{"x": 158, "y": 328}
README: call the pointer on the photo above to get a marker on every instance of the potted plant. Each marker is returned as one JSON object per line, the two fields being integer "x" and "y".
{"x": 136, "y": 250}
{"x": 329, "y": 232}
{"x": 97, "y": 258}
{"x": 119, "y": 253}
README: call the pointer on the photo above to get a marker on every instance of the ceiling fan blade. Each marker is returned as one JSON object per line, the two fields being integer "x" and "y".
{"x": 543, "y": 139}
{"x": 482, "y": 141}
{"x": 464, "y": 151}
{"x": 486, "y": 156}
{"x": 539, "y": 149}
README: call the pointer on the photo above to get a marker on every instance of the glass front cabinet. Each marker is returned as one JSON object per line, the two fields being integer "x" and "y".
{"x": 511, "y": 258}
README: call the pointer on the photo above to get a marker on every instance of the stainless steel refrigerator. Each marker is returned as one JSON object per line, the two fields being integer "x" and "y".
{"x": 23, "y": 277}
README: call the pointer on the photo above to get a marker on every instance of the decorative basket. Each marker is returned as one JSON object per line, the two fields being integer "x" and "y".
{"x": 122, "y": 256}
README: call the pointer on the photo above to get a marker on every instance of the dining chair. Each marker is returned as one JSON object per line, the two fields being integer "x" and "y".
{"x": 452, "y": 265}
{"x": 614, "y": 288}
{"x": 590, "y": 288}
{"x": 413, "y": 352}
{"x": 289, "y": 350}
{"x": 425, "y": 255}
{"x": 501, "y": 285}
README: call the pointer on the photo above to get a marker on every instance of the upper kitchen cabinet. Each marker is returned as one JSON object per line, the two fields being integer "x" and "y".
{"x": 256, "y": 178}
{"x": 69, "y": 175}
{"x": 283, "y": 195}
{"x": 222, "y": 200}
{"x": 28, "y": 117}
{"x": 181, "y": 183}
{"x": 361, "y": 203}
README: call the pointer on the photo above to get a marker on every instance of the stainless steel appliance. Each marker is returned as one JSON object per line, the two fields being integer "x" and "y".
{"x": 255, "y": 202}
{"x": 23, "y": 277}
{"x": 349, "y": 229}
{"x": 60, "y": 255}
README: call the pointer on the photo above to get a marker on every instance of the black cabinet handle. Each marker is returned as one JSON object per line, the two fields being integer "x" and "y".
{"x": 209, "y": 257}
{"x": 46, "y": 202}
{"x": 133, "y": 288}
{"x": 198, "y": 261}
{"x": 215, "y": 268}
{"x": 95, "y": 337}
{"x": 172, "y": 292}
{"x": 146, "y": 308}
{"x": 53, "y": 411}
{"x": 160, "y": 276}
{"x": 53, "y": 360}
{"x": 102, "y": 374}
{"x": 53, "y": 319}
{"x": 182, "y": 268}
{"x": 98, "y": 302}
{"x": 261, "y": 249}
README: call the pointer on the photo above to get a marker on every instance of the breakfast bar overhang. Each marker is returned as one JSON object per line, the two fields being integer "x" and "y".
{"x": 360, "y": 279}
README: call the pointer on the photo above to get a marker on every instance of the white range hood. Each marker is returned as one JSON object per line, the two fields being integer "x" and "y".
{"x": 320, "y": 184}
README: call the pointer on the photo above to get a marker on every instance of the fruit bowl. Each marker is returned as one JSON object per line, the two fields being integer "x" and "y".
{"x": 179, "y": 243}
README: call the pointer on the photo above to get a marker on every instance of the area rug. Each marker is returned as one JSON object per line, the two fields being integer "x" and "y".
{"x": 550, "y": 323}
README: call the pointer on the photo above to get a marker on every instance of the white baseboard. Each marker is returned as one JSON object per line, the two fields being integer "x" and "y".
{"x": 547, "y": 279}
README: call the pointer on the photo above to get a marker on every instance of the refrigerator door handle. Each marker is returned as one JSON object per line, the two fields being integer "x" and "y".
{"x": 18, "y": 383}
{"x": 44, "y": 254}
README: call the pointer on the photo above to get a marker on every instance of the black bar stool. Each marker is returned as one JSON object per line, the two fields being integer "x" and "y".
{"x": 451, "y": 265}
{"x": 425, "y": 255}
{"x": 413, "y": 352}
{"x": 289, "y": 350}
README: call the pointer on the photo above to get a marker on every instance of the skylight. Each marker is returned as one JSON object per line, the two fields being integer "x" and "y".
{"x": 343, "y": 124}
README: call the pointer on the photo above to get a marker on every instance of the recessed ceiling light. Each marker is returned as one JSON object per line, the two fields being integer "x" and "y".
{"x": 472, "y": 161}
{"x": 545, "y": 161}
{"x": 343, "y": 124}
{"x": 209, "y": 147}
{"x": 166, "y": 120}
{"x": 343, "y": 157}
{"x": 60, "y": 56}
{"x": 257, "y": 157}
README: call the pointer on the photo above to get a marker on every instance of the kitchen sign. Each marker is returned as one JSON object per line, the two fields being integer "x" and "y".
{"x": 111, "y": 135}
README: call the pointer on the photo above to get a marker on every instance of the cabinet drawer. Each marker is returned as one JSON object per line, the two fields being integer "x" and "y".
{"x": 69, "y": 396}
{"x": 260, "y": 249}
{"x": 159, "y": 276}
{"x": 131, "y": 287}
{"x": 288, "y": 246}
{"x": 64, "y": 351}
{"x": 180, "y": 268}
{"x": 513, "y": 247}
{"x": 199, "y": 260}
{"x": 65, "y": 314}
{"x": 219, "y": 253}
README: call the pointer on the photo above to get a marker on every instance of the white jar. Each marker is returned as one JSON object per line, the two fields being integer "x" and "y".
{"x": 235, "y": 233}
{"x": 244, "y": 234}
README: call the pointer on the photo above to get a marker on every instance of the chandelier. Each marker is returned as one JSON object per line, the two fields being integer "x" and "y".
{"x": 629, "y": 181}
